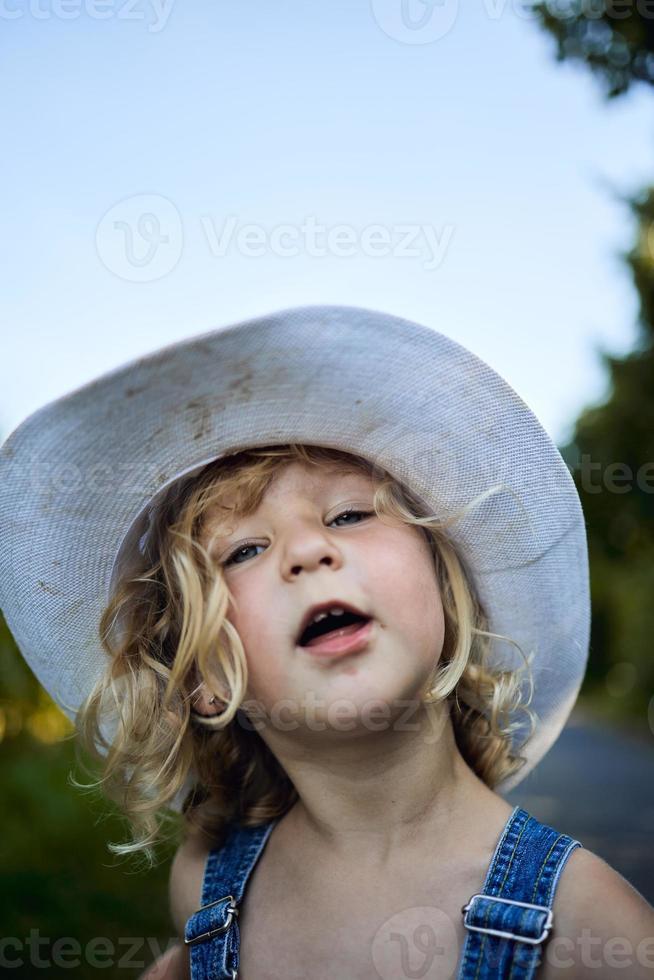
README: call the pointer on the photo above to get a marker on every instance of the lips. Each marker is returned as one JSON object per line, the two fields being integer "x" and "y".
{"x": 325, "y": 607}
{"x": 343, "y": 642}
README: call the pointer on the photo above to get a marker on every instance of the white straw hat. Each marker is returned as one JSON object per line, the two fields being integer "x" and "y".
{"x": 79, "y": 476}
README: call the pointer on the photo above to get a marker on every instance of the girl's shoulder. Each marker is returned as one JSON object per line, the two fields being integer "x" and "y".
{"x": 184, "y": 898}
{"x": 602, "y": 924}
{"x": 186, "y": 878}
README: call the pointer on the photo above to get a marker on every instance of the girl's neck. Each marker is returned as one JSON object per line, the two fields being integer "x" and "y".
{"x": 356, "y": 832}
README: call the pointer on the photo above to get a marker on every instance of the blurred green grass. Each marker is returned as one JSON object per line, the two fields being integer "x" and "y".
{"x": 58, "y": 877}
{"x": 59, "y": 881}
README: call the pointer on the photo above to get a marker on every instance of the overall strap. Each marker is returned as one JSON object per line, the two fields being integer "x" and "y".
{"x": 212, "y": 932}
{"x": 509, "y": 921}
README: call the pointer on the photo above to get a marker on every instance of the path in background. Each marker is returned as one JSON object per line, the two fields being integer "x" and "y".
{"x": 597, "y": 784}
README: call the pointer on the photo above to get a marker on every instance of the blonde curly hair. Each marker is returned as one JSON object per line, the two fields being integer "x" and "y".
{"x": 166, "y": 631}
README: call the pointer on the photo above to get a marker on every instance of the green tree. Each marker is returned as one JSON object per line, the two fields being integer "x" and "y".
{"x": 614, "y": 38}
{"x": 611, "y": 455}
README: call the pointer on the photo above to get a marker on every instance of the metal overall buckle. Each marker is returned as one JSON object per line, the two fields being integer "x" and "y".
{"x": 510, "y": 935}
{"x": 231, "y": 912}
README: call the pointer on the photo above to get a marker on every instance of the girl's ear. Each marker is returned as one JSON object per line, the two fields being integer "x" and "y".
{"x": 206, "y": 702}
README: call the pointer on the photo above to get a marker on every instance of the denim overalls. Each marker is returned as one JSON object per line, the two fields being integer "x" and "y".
{"x": 506, "y": 923}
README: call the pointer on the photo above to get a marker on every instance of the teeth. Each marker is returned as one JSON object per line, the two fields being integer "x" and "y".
{"x": 335, "y": 611}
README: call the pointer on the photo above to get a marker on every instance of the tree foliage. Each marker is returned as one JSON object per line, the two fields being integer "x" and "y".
{"x": 612, "y": 455}
{"x": 614, "y": 38}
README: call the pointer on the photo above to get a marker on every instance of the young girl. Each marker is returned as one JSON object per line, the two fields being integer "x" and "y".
{"x": 347, "y": 608}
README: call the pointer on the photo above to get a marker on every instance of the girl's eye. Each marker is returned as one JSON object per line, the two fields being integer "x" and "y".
{"x": 347, "y": 513}
{"x": 233, "y": 558}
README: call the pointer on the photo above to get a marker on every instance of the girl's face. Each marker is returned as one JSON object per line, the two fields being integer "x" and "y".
{"x": 298, "y": 550}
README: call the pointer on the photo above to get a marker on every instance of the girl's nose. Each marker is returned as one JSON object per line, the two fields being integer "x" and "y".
{"x": 307, "y": 548}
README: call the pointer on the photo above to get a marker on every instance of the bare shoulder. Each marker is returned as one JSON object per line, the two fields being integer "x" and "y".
{"x": 185, "y": 880}
{"x": 603, "y": 926}
{"x": 185, "y": 898}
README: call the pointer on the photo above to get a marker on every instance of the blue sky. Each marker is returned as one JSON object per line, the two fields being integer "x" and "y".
{"x": 165, "y": 161}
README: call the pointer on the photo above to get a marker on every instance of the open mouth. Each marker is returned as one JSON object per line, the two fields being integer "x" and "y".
{"x": 346, "y": 624}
